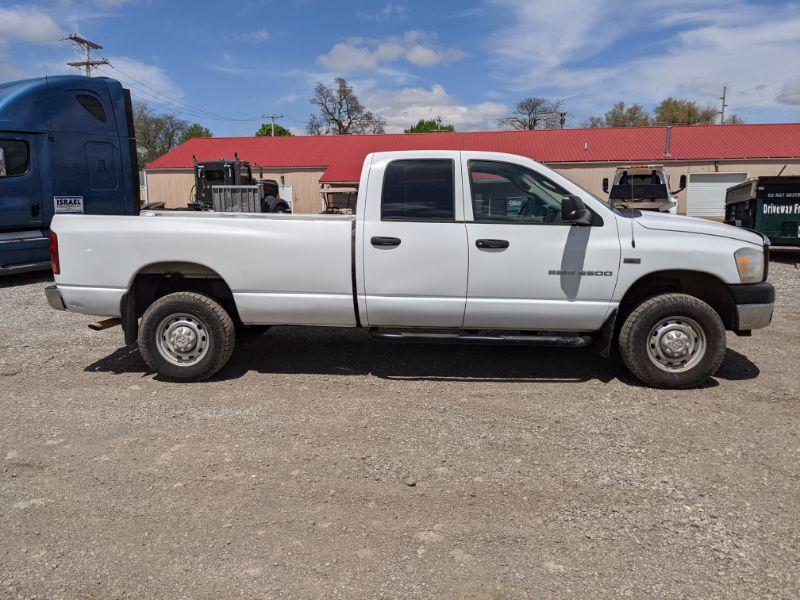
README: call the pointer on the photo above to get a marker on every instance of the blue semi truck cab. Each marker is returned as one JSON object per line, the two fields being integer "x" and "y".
{"x": 67, "y": 145}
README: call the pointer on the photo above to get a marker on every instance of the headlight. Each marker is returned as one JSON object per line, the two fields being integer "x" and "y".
{"x": 750, "y": 263}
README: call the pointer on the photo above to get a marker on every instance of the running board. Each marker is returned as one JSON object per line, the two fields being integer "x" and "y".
{"x": 500, "y": 339}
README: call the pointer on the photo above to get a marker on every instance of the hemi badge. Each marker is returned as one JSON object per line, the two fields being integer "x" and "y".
{"x": 632, "y": 261}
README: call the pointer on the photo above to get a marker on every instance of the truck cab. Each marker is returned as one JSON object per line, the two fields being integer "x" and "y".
{"x": 66, "y": 146}
{"x": 229, "y": 186}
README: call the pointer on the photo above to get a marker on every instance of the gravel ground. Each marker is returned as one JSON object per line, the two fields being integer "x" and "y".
{"x": 319, "y": 464}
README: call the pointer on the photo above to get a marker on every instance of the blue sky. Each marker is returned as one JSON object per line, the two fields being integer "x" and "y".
{"x": 467, "y": 62}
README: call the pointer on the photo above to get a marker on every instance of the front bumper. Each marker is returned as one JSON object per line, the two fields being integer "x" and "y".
{"x": 54, "y": 298}
{"x": 755, "y": 303}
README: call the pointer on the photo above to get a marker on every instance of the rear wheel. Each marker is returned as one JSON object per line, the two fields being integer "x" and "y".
{"x": 672, "y": 341}
{"x": 186, "y": 336}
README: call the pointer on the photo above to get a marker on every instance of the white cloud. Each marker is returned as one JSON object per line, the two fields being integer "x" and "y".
{"x": 404, "y": 107}
{"x": 694, "y": 48}
{"x": 144, "y": 80}
{"x": 27, "y": 24}
{"x": 391, "y": 11}
{"x": 417, "y": 47}
{"x": 258, "y": 36}
{"x": 790, "y": 92}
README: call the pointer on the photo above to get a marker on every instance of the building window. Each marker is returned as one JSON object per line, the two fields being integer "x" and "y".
{"x": 418, "y": 190}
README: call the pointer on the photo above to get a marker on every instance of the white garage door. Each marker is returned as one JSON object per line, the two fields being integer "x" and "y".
{"x": 706, "y": 194}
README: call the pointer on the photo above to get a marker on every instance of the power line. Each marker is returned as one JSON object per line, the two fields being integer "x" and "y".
{"x": 87, "y": 63}
{"x": 185, "y": 107}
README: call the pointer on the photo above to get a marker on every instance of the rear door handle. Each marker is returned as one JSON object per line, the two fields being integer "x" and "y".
{"x": 385, "y": 241}
{"x": 492, "y": 243}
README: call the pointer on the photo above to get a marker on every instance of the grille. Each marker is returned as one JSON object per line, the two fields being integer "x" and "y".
{"x": 235, "y": 198}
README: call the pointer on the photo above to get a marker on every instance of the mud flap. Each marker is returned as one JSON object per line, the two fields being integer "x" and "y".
{"x": 606, "y": 335}
{"x": 130, "y": 321}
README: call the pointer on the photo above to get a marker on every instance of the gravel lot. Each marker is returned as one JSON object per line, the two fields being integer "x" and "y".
{"x": 319, "y": 464}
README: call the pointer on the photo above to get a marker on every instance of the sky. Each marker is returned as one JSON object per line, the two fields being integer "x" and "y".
{"x": 224, "y": 64}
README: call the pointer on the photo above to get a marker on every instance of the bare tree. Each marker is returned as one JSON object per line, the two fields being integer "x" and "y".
{"x": 593, "y": 123}
{"x": 341, "y": 112}
{"x": 156, "y": 134}
{"x": 535, "y": 113}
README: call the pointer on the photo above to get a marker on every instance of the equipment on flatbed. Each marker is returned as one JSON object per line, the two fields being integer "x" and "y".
{"x": 769, "y": 205}
{"x": 229, "y": 186}
{"x": 643, "y": 187}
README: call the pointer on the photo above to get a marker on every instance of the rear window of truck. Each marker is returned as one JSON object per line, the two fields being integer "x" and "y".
{"x": 418, "y": 190}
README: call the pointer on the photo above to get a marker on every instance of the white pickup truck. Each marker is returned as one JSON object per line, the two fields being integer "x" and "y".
{"x": 473, "y": 247}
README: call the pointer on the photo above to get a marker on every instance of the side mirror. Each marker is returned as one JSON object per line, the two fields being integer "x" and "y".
{"x": 681, "y": 186}
{"x": 574, "y": 211}
{"x": 2, "y": 163}
{"x": 605, "y": 184}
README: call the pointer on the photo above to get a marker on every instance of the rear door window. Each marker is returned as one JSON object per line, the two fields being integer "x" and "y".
{"x": 419, "y": 190}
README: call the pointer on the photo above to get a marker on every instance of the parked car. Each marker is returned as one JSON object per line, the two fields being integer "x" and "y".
{"x": 445, "y": 246}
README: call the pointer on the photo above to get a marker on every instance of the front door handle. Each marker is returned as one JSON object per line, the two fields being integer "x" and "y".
{"x": 492, "y": 243}
{"x": 385, "y": 241}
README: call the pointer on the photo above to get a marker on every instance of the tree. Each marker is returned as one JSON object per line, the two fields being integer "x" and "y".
{"x": 673, "y": 111}
{"x": 266, "y": 129}
{"x": 593, "y": 123}
{"x": 196, "y": 130}
{"x": 155, "y": 134}
{"x": 341, "y": 112}
{"x": 621, "y": 116}
{"x": 430, "y": 126}
{"x": 534, "y": 113}
{"x": 627, "y": 116}
{"x": 734, "y": 119}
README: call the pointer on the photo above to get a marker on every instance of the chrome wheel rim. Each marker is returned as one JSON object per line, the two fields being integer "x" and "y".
{"x": 676, "y": 344}
{"x": 182, "y": 339}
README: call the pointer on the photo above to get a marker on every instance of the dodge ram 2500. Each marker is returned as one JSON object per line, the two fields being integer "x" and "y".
{"x": 472, "y": 247}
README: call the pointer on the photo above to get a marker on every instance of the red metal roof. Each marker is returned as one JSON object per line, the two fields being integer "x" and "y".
{"x": 342, "y": 156}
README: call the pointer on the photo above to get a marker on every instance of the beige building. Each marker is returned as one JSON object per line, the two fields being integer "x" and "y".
{"x": 712, "y": 157}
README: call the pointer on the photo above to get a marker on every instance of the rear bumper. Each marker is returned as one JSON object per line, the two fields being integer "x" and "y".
{"x": 54, "y": 298}
{"x": 755, "y": 303}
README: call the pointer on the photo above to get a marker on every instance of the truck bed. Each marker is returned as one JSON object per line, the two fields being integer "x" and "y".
{"x": 281, "y": 268}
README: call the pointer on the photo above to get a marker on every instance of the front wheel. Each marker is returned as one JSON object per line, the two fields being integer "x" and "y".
{"x": 186, "y": 336}
{"x": 672, "y": 341}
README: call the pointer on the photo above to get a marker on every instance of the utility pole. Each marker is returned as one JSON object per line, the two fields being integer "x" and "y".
{"x": 722, "y": 112}
{"x": 272, "y": 118}
{"x": 87, "y": 63}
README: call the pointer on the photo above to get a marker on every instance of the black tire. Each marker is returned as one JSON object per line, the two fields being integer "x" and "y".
{"x": 203, "y": 313}
{"x": 639, "y": 348}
